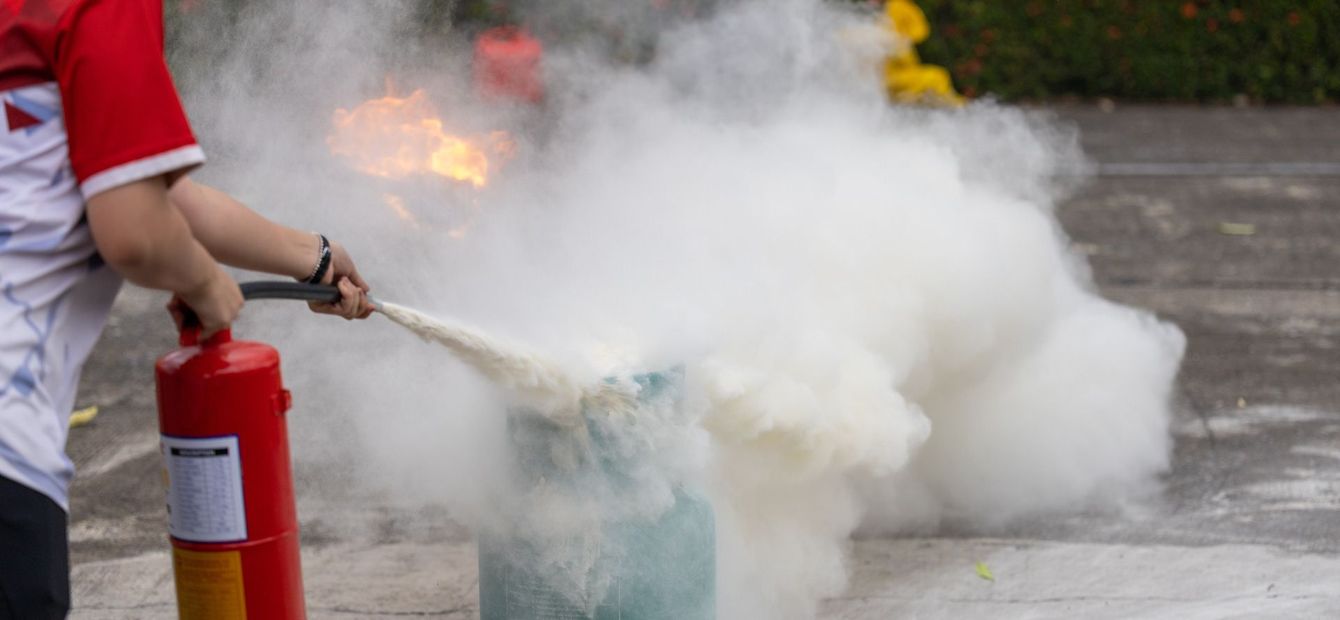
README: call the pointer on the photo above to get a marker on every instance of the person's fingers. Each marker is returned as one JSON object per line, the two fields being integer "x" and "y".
{"x": 349, "y": 298}
{"x": 326, "y": 308}
{"x": 342, "y": 265}
{"x": 359, "y": 281}
{"x": 226, "y": 310}
{"x": 353, "y": 303}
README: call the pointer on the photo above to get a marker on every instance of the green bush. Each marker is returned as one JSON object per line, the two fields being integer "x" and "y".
{"x": 1285, "y": 51}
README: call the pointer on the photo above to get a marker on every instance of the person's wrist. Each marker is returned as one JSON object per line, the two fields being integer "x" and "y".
{"x": 304, "y": 249}
{"x": 325, "y": 256}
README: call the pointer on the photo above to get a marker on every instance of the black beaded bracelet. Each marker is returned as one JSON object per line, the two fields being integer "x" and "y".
{"x": 322, "y": 262}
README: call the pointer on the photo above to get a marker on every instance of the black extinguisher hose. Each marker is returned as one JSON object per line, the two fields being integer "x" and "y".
{"x": 290, "y": 290}
{"x": 297, "y": 291}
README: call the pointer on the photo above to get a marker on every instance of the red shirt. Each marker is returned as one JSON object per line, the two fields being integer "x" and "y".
{"x": 106, "y": 57}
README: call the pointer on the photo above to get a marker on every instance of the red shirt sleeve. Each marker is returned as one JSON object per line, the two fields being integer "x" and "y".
{"x": 122, "y": 114}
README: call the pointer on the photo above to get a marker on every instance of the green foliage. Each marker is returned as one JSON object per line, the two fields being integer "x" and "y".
{"x": 1284, "y": 51}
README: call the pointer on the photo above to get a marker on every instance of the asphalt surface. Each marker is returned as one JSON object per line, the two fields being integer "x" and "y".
{"x": 1248, "y": 524}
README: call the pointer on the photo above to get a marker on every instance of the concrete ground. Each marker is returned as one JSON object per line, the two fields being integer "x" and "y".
{"x": 1249, "y": 522}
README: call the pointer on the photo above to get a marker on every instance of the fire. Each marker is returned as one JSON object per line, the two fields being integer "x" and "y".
{"x": 396, "y": 138}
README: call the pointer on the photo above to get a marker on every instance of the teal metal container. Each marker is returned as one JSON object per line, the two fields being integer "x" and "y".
{"x": 579, "y": 544}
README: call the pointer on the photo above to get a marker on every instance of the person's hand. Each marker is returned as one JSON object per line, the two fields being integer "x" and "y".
{"x": 354, "y": 302}
{"x": 216, "y": 302}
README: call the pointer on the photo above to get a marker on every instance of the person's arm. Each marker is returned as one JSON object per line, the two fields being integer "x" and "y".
{"x": 129, "y": 142}
{"x": 238, "y": 236}
{"x": 146, "y": 240}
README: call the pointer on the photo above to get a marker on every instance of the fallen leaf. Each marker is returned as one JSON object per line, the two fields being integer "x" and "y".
{"x": 83, "y": 416}
{"x": 984, "y": 572}
{"x": 1237, "y": 229}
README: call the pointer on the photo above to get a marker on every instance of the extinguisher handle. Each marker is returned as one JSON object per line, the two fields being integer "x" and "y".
{"x": 191, "y": 329}
{"x": 190, "y": 322}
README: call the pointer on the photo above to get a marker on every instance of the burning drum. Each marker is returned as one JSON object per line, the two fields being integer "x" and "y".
{"x": 581, "y": 543}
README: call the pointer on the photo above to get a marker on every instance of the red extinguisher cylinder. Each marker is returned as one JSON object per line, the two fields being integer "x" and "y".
{"x": 231, "y": 512}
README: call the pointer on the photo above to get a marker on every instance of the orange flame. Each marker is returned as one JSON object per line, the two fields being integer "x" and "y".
{"x": 395, "y": 138}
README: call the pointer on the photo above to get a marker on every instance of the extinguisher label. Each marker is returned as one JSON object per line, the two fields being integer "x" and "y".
{"x": 204, "y": 490}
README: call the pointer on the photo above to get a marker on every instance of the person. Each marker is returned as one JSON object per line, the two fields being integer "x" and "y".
{"x": 94, "y": 152}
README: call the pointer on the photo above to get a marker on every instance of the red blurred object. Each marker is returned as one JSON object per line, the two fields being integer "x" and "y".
{"x": 232, "y": 519}
{"x": 507, "y": 65}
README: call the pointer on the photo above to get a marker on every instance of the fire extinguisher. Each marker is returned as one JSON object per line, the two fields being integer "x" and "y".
{"x": 231, "y": 513}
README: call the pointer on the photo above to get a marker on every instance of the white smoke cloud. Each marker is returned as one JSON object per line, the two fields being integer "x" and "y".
{"x": 878, "y": 313}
